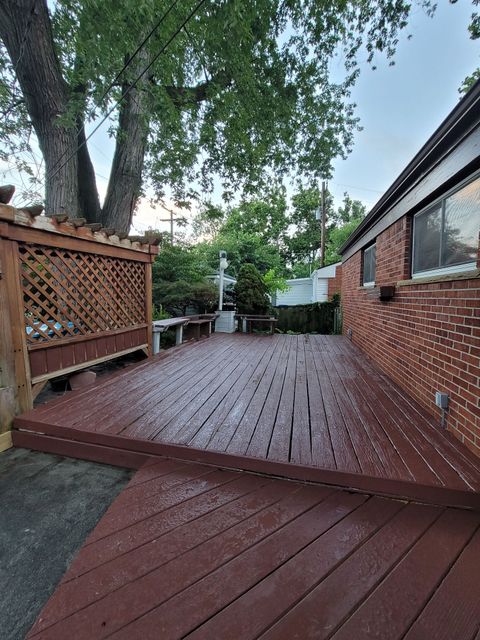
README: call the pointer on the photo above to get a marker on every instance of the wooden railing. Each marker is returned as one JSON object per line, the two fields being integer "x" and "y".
{"x": 71, "y": 295}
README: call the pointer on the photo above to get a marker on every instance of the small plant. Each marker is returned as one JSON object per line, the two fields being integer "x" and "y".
{"x": 158, "y": 313}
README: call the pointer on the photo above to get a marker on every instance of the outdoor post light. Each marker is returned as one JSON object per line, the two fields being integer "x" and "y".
{"x": 223, "y": 266}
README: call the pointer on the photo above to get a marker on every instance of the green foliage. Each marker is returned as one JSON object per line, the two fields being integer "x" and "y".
{"x": 244, "y": 91}
{"x": 275, "y": 282}
{"x": 303, "y": 243}
{"x": 177, "y": 296}
{"x": 250, "y": 233}
{"x": 469, "y": 81}
{"x": 179, "y": 281}
{"x": 317, "y": 317}
{"x": 241, "y": 248}
{"x": 336, "y": 237}
{"x": 251, "y": 292}
{"x": 159, "y": 313}
{"x": 178, "y": 262}
{"x": 302, "y": 246}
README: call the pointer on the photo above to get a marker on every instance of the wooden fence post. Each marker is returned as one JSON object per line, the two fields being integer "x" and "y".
{"x": 13, "y": 326}
{"x": 149, "y": 303}
{"x": 7, "y": 365}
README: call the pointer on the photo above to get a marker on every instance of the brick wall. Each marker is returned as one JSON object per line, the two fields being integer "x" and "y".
{"x": 427, "y": 338}
{"x": 335, "y": 284}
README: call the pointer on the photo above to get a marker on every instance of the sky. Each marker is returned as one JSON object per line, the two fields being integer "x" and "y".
{"x": 399, "y": 108}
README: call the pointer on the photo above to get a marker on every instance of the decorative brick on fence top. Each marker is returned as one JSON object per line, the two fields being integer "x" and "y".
{"x": 427, "y": 338}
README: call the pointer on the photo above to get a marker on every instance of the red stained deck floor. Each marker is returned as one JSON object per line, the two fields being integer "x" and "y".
{"x": 189, "y": 551}
{"x": 305, "y": 407}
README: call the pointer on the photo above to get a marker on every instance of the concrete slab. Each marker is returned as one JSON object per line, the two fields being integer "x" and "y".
{"x": 48, "y": 506}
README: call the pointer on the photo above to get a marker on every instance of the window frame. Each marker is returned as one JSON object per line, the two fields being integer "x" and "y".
{"x": 449, "y": 269}
{"x": 369, "y": 283}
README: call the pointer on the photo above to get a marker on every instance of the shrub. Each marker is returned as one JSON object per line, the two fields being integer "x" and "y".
{"x": 251, "y": 291}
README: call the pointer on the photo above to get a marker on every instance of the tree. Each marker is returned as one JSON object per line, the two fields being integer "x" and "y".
{"x": 179, "y": 280}
{"x": 241, "y": 248}
{"x": 251, "y": 291}
{"x": 342, "y": 224}
{"x": 303, "y": 243}
{"x": 237, "y": 88}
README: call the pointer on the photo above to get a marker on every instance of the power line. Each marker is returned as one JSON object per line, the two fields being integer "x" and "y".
{"x": 351, "y": 186}
{"x": 125, "y": 66}
{"x": 139, "y": 48}
{"x": 134, "y": 83}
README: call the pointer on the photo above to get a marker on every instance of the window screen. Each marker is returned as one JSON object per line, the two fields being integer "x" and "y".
{"x": 369, "y": 260}
{"x": 447, "y": 234}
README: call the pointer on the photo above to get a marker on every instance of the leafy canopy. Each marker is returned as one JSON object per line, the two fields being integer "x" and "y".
{"x": 244, "y": 91}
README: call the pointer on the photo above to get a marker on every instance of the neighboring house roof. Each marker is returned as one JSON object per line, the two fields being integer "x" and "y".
{"x": 294, "y": 281}
{"x": 226, "y": 278}
{"x": 326, "y": 272}
{"x": 449, "y": 155}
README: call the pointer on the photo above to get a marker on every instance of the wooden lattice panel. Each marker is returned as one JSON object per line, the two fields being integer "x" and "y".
{"x": 70, "y": 293}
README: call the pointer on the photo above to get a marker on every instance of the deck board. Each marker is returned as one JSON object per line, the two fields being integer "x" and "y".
{"x": 252, "y": 557}
{"x": 309, "y": 401}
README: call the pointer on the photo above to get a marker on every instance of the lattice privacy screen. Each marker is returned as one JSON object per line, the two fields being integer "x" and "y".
{"x": 69, "y": 293}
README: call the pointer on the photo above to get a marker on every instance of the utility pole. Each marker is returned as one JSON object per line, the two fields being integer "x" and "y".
{"x": 222, "y": 266}
{"x": 171, "y": 219}
{"x": 323, "y": 223}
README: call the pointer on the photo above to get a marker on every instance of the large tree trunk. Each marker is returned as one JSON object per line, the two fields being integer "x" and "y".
{"x": 126, "y": 175}
{"x": 26, "y": 31}
{"x": 71, "y": 188}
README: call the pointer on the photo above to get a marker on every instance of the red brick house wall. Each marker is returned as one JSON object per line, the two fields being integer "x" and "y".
{"x": 335, "y": 283}
{"x": 427, "y": 338}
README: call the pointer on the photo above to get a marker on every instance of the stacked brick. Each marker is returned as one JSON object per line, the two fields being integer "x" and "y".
{"x": 427, "y": 338}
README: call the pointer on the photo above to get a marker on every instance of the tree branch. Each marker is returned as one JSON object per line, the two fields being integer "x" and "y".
{"x": 183, "y": 96}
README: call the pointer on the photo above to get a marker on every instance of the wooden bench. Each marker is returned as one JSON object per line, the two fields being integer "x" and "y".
{"x": 200, "y": 326}
{"x": 160, "y": 326}
{"x": 247, "y": 321}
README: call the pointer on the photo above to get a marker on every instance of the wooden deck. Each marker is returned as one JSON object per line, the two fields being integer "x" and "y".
{"x": 189, "y": 551}
{"x": 307, "y": 407}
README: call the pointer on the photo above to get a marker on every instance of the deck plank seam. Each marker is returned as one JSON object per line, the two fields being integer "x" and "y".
{"x": 173, "y": 529}
{"x": 234, "y": 362}
{"x": 241, "y": 418}
{"x": 246, "y": 549}
{"x": 442, "y": 579}
{"x": 247, "y": 364}
{"x": 365, "y": 428}
{"x": 342, "y": 409}
{"x": 260, "y": 412}
{"x": 335, "y": 567}
{"x": 153, "y": 401}
{"x": 418, "y": 409}
{"x": 324, "y": 376}
{"x": 265, "y": 508}
{"x": 412, "y": 424}
{"x": 257, "y": 365}
{"x": 332, "y": 569}
{"x": 157, "y": 513}
{"x": 284, "y": 378}
{"x": 382, "y": 582}
{"x": 321, "y": 401}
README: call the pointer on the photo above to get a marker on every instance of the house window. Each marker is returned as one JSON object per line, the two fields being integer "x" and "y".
{"x": 369, "y": 262}
{"x": 445, "y": 236}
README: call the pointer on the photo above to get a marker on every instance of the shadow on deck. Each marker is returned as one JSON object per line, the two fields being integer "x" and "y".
{"x": 307, "y": 407}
